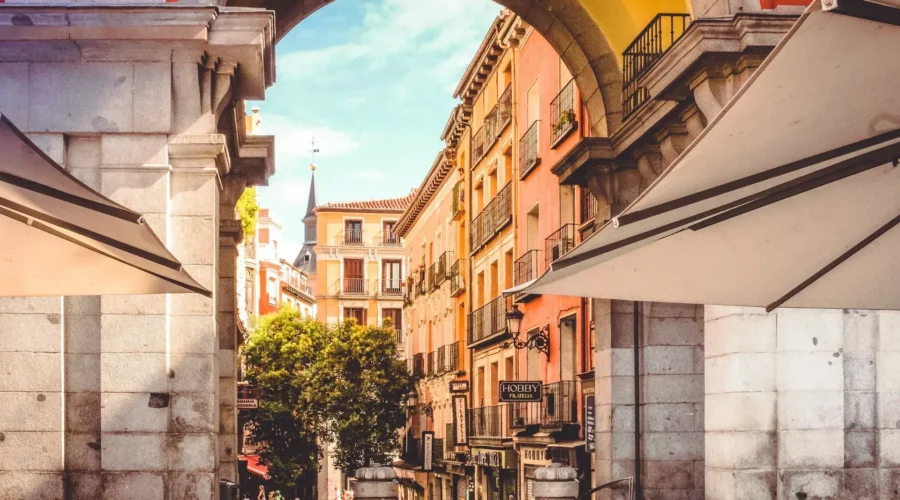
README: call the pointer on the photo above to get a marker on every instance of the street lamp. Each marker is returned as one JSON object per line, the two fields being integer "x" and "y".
{"x": 539, "y": 341}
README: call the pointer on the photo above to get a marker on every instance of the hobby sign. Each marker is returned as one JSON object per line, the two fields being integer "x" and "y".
{"x": 513, "y": 392}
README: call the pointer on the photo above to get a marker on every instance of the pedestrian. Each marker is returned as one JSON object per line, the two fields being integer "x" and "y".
{"x": 262, "y": 493}
{"x": 278, "y": 495}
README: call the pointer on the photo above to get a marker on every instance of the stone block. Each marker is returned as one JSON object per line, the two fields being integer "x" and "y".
{"x": 604, "y": 448}
{"x": 30, "y": 371}
{"x": 41, "y": 411}
{"x": 810, "y": 371}
{"x": 83, "y": 485}
{"x": 18, "y": 485}
{"x": 191, "y": 486}
{"x": 889, "y": 482}
{"x": 622, "y": 445}
{"x": 133, "y": 333}
{"x": 812, "y": 484}
{"x": 808, "y": 330}
{"x": 672, "y": 389}
{"x": 145, "y": 192}
{"x": 622, "y": 390}
{"x": 133, "y": 150}
{"x": 860, "y": 331}
{"x": 888, "y": 330}
{"x": 228, "y": 422}
{"x": 673, "y": 445}
{"x": 126, "y": 372}
{"x": 860, "y": 410}
{"x": 83, "y": 451}
{"x": 228, "y": 448}
{"x": 677, "y": 417}
{"x": 860, "y": 484}
{"x": 669, "y": 475}
{"x": 14, "y": 92}
{"x": 227, "y": 362}
{"x": 859, "y": 371}
{"x": 674, "y": 331}
{"x": 133, "y": 304}
{"x": 889, "y": 448}
{"x": 888, "y": 410}
{"x": 741, "y": 485}
{"x": 80, "y": 97}
{"x": 83, "y": 372}
{"x": 741, "y": 450}
{"x": 711, "y": 312}
{"x": 83, "y": 412}
{"x": 30, "y": 332}
{"x": 192, "y": 335}
{"x": 83, "y": 334}
{"x": 810, "y": 410}
{"x": 89, "y": 176}
{"x": 34, "y": 305}
{"x": 193, "y": 239}
{"x": 137, "y": 485}
{"x": 662, "y": 360}
{"x": 888, "y": 370}
{"x": 53, "y": 145}
{"x": 739, "y": 333}
{"x": 84, "y": 152}
{"x": 227, "y": 391}
{"x": 131, "y": 412}
{"x": 859, "y": 449}
{"x": 621, "y": 418}
{"x": 31, "y": 451}
{"x": 193, "y": 373}
{"x": 811, "y": 449}
{"x": 670, "y": 310}
{"x": 194, "y": 195}
{"x": 133, "y": 452}
{"x": 621, "y": 330}
{"x": 192, "y": 413}
{"x": 740, "y": 372}
{"x": 192, "y": 452}
{"x": 740, "y": 411}
{"x": 152, "y": 97}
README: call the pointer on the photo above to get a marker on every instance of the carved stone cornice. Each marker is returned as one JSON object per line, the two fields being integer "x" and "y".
{"x": 589, "y": 154}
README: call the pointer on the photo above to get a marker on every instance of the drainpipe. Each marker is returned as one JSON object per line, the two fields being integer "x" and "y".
{"x": 637, "y": 401}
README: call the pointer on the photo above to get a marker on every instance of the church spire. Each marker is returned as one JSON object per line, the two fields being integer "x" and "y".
{"x": 311, "y": 204}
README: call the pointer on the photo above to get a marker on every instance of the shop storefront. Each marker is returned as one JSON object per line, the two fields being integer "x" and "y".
{"x": 495, "y": 474}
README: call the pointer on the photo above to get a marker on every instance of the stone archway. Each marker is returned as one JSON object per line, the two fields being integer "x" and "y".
{"x": 566, "y": 24}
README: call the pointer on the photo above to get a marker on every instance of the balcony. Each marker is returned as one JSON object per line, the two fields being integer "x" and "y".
{"x": 529, "y": 153}
{"x": 250, "y": 249}
{"x": 389, "y": 239}
{"x": 495, "y": 216}
{"x": 560, "y": 405}
{"x": 457, "y": 206}
{"x": 437, "y": 450}
{"x": 655, "y": 39}
{"x": 432, "y": 277}
{"x": 525, "y": 269}
{"x": 457, "y": 284}
{"x": 418, "y": 365}
{"x": 430, "y": 364}
{"x": 408, "y": 294}
{"x": 562, "y": 114}
{"x": 487, "y": 321}
{"x": 440, "y": 360}
{"x": 588, "y": 213}
{"x": 399, "y": 337}
{"x": 353, "y": 236}
{"x": 354, "y": 286}
{"x": 494, "y": 123}
{"x": 488, "y": 422}
{"x": 420, "y": 281}
{"x": 451, "y": 358}
{"x": 390, "y": 288}
{"x": 523, "y": 415}
{"x": 559, "y": 243}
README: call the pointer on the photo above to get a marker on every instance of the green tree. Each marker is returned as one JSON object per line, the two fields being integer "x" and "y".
{"x": 248, "y": 211}
{"x": 278, "y": 352}
{"x": 357, "y": 390}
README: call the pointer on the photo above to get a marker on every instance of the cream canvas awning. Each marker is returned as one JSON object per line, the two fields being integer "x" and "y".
{"x": 61, "y": 237}
{"x": 790, "y": 197}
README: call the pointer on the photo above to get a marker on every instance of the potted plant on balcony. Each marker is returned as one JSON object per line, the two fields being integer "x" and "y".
{"x": 566, "y": 120}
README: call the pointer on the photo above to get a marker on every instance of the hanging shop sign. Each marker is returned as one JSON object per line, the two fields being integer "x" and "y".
{"x": 460, "y": 434}
{"x": 502, "y": 459}
{"x": 459, "y": 386}
{"x": 590, "y": 423}
{"x": 247, "y": 397}
{"x": 520, "y": 391}
{"x": 427, "y": 451}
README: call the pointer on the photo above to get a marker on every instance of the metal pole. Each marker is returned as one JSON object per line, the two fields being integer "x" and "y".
{"x": 637, "y": 401}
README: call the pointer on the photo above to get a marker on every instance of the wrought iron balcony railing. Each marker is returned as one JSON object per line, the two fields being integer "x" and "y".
{"x": 488, "y": 421}
{"x": 355, "y": 286}
{"x": 524, "y": 414}
{"x": 420, "y": 281}
{"x": 457, "y": 284}
{"x": 495, "y": 216}
{"x": 451, "y": 357}
{"x": 529, "y": 153}
{"x": 559, "y": 243}
{"x": 562, "y": 114}
{"x": 353, "y": 236}
{"x": 527, "y": 267}
{"x": 560, "y": 404}
{"x": 389, "y": 239}
{"x": 494, "y": 123}
{"x": 488, "y": 320}
{"x": 457, "y": 205}
{"x": 432, "y": 277}
{"x": 437, "y": 449}
{"x": 399, "y": 337}
{"x": 430, "y": 364}
{"x": 419, "y": 365}
{"x": 390, "y": 287}
{"x": 652, "y": 42}
{"x": 588, "y": 206}
{"x": 440, "y": 360}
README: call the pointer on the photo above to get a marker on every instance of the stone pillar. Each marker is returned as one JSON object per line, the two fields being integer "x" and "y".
{"x": 801, "y": 403}
{"x": 671, "y": 385}
{"x": 555, "y": 482}
{"x": 375, "y": 483}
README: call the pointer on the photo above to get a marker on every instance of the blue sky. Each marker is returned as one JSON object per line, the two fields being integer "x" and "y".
{"x": 373, "y": 81}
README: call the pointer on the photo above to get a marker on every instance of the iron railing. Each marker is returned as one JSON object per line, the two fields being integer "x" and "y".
{"x": 430, "y": 364}
{"x": 588, "y": 206}
{"x": 390, "y": 287}
{"x": 495, "y": 216}
{"x": 561, "y": 242}
{"x": 529, "y": 153}
{"x": 560, "y": 405}
{"x": 652, "y": 42}
{"x": 432, "y": 277}
{"x": 410, "y": 287}
{"x": 487, "y": 421}
{"x": 399, "y": 336}
{"x": 443, "y": 267}
{"x": 494, "y": 123}
{"x": 451, "y": 357}
{"x": 390, "y": 239}
{"x": 420, "y": 281}
{"x": 440, "y": 360}
{"x": 437, "y": 449}
{"x": 524, "y": 414}
{"x": 353, "y": 236}
{"x": 456, "y": 205}
{"x": 488, "y": 320}
{"x": 562, "y": 113}
{"x": 249, "y": 249}
{"x": 355, "y": 286}
{"x": 527, "y": 267}
{"x": 457, "y": 284}
{"x": 419, "y": 365}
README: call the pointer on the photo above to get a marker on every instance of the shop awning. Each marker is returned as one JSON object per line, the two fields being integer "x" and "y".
{"x": 254, "y": 467}
{"x": 63, "y": 238}
{"x": 790, "y": 197}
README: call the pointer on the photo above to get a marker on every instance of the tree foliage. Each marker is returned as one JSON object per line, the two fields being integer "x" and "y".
{"x": 343, "y": 384}
{"x": 248, "y": 211}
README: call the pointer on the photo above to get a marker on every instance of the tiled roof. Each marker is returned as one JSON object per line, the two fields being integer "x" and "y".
{"x": 385, "y": 205}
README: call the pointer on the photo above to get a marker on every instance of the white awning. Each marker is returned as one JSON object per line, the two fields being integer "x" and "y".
{"x": 789, "y": 197}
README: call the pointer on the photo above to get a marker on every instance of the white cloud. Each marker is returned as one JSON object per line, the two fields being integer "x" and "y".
{"x": 293, "y": 140}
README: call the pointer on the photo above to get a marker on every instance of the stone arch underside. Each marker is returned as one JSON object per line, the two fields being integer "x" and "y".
{"x": 564, "y": 23}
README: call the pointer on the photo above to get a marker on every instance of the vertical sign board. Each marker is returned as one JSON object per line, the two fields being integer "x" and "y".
{"x": 461, "y": 436}
{"x": 428, "y": 451}
{"x": 590, "y": 422}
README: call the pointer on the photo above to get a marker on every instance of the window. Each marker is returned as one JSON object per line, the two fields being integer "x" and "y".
{"x": 306, "y": 257}
{"x": 532, "y": 228}
{"x": 568, "y": 348}
{"x": 357, "y": 313}
{"x": 272, "y": 290}
{"x": 395, "y": 316}
{"x": 353, "y": 232}
{"x": 354, "y": 281}
{"x": 389, "y": 236}
{"x": 391, "y": 278}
